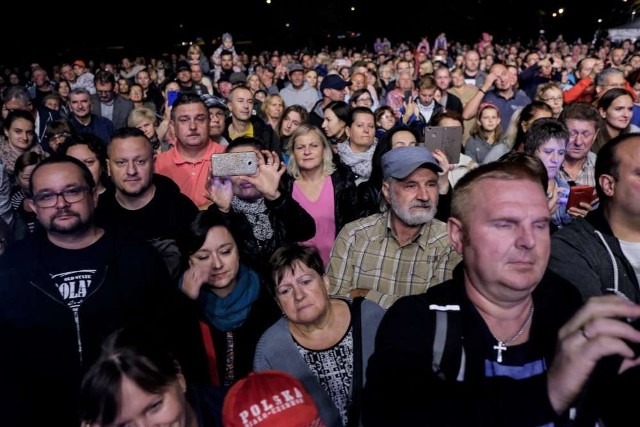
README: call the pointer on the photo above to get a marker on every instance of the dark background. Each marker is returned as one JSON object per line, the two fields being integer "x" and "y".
{"x": 107, "y": 32}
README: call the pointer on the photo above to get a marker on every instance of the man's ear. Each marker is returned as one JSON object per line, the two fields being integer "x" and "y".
{"x": 385, "y": 191}
{"x": 456, "y": 233}
{"x": 608, "y": 184}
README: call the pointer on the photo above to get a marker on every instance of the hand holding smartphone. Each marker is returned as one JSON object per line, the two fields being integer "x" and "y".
{"x": 580, "y": 193}
{"x": 407, "y": 96}
{"x": 232, "y": 164}
{"x": 172, "y": 95}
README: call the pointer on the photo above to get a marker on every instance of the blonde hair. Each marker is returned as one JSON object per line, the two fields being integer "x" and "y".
{"x": 267, "y": 102}
{"x": 328, "y": 167}
{"x": 194, "y": 48}
{"x": 138, "y": 114}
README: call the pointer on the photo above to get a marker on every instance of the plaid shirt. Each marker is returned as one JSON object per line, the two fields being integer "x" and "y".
{"x": 587, "y": 174}
{"x": 367, "y": 255}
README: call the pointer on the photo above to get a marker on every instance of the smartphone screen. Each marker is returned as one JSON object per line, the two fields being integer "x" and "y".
{"x": 407, "y": 96}
{"x": 172, "y": 95}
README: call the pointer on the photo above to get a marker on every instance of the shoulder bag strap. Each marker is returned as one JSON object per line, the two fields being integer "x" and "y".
{"x": 356, "y": 321}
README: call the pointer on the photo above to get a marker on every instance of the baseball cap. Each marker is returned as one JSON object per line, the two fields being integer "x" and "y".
{"x": 400, "y": 162}
{"x": 237, "y": 78}
{"x": 79, "y": 63}
{"x": 486, "y": 105}
{"x": 212, "y": 101}
{"x": 182, "y": 66}
{"x": 269, "y": 399}
{"x": 295, "y": 67}
{"x": 334, "y": 81}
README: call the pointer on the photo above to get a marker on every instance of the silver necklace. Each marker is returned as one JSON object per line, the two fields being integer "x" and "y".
{"x": 502, "y": 345}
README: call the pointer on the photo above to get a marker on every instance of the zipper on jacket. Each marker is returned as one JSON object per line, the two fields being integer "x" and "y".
{"x": 76, "y": 318}
{"x": 76, "y": 310}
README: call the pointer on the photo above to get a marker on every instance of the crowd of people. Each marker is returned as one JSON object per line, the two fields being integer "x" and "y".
{"x": 409, "y": 250}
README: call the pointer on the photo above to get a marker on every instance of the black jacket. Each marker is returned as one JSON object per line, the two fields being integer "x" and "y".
{"x": 581, "y": 256}
{"x": 164, "y": 221}
{"x": 46, "y": 348}
{"x": 344, "y": 193}
{"x": 289, "y": 221}
{"x": 403, "y": 355}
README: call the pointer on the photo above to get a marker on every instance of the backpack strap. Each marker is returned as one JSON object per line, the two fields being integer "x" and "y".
{"x": 449, "y": 358}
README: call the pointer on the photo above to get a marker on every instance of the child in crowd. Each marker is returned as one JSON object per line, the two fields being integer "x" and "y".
{"x": 486, "y": 131}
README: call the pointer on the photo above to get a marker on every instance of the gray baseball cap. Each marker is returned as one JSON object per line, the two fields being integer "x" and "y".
{"x": 400, "y": 162}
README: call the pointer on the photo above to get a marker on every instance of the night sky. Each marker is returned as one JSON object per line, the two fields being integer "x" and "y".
{"x": 110, "y": 32}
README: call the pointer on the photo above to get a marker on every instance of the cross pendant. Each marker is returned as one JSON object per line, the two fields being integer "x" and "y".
{"x": 500, "y": 347}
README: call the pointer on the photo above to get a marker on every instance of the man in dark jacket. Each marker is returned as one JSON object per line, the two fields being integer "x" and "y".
{"x": 142, "y": 204}
{"x": 505, "y": 342}
{"x": 242, "y": 122}
{"x": 107, "y": 103}
{"x": 600, "y": 253}
{"x": 62, "y": 292}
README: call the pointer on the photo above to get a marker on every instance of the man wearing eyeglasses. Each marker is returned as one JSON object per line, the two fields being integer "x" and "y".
{"x": 63, "y": 291}
{"x": 107, "y": 103}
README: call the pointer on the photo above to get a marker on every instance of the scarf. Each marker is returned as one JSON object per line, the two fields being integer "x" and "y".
{"x": 230, "y": 312}
{"x": 360, "y": 163}
{"x": 257, "y": 216}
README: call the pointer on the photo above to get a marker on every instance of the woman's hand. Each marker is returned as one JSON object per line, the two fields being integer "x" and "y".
{"x": 270, "y": 170}
{"x": 220, "y": 192}
{"x": 196, "y": 276}
{"x": 443, "y": 177}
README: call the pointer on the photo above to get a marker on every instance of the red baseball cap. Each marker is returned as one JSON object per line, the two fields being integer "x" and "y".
{"x": 79, "y": 63}
{"x": 269, "y": 399}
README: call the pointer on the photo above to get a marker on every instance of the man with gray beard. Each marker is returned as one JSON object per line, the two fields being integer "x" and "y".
{"x": 403, "y": 250}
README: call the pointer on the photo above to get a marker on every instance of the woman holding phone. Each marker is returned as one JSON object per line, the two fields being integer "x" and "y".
{"x": 265, "y": 216}
{"x": 547, "y": 139}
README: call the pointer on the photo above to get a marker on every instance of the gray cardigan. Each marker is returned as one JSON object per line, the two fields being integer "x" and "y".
{"x": 277, "y": 350}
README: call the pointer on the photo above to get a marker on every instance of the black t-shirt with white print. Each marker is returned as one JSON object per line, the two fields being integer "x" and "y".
{"x": 74, "y": 273}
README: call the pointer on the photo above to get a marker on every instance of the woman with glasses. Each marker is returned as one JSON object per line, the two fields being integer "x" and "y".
{"x": 551, "y": 94}
{"x": 57, "y": 132}
{"x": 385, "y": 120}
{"x": 361, "y": 98}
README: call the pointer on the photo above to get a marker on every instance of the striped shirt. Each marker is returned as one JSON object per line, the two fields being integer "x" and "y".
{"x": 367, "y": 255}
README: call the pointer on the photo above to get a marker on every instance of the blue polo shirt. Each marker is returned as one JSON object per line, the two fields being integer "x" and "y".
{"x": 506, "y": 106}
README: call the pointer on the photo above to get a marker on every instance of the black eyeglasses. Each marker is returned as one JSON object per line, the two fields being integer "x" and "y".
{"x": 70, "y": 195}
